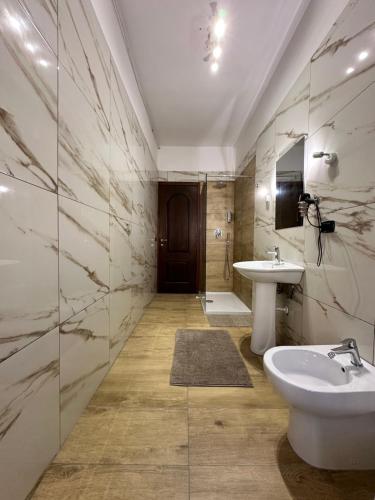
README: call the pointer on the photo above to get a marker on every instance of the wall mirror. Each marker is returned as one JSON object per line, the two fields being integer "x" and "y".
{"x": 289, "y": 186}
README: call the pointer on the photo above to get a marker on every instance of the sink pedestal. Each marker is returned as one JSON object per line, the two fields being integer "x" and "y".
{"x": 263, "y": 336}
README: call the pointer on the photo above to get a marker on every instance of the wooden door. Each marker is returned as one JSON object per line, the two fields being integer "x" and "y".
{"x": 178, "y": 237}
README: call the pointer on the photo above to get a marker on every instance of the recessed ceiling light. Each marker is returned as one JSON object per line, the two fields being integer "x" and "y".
{"x": 349, "y": 70}
{"x": 214, "y": 67}
{"x": 217, "y": 52}
{"x": 363, "y": 55}
{"x": 4, "y": 189}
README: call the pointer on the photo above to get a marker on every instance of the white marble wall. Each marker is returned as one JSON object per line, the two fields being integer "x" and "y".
{"x": 335, "y": 111}
{"x": 78, "y": 205}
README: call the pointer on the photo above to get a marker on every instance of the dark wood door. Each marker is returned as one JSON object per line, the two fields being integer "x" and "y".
{"x": 178, "y": 237}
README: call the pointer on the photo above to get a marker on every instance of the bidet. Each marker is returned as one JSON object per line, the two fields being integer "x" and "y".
{"x": 331, "y": 405}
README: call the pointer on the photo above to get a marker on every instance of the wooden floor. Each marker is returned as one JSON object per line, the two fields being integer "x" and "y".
{"x": 140, "y": 438}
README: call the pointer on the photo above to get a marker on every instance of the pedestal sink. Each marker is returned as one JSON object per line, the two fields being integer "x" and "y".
{"x": 266, "y": 275}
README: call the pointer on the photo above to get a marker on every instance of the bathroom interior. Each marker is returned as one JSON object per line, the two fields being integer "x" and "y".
{"x": 187, "y": 252}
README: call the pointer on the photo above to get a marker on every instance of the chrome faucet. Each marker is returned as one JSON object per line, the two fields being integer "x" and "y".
{"x": 276, "y": 254}
{"x": 349, "y": 346}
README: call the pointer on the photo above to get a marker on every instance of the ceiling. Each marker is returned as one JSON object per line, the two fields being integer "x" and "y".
{"x": 187, "y": 104}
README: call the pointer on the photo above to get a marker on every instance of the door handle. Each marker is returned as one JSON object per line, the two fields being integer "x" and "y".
{"x": 162, "y": 241}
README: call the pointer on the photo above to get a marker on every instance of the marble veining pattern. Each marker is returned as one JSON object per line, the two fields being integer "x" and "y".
{"x": 122, "y": 319}
{"x": 346, "y": 281}
{"x": 332, "y": 87}
{"x": 120, "y": 253}
{"x": 29, "y": 415}
{"x": 84, "y": 53}
{"x": 351, "y": 134}
{"x": 28, "y": 92}
{"x": 84, "y": 351}
{"x": 29, "y": 250}
{"x": 84, "y": 256}
{"x": 83, "y": 148}
{"x": 70, "y": 196}
{"x": 334, "y": 111}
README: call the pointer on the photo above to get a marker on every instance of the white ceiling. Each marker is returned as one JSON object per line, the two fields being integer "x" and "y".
{"x": 187, "y": 104}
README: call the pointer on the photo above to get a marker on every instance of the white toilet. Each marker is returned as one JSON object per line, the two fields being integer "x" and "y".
{"x": 332, "y": 405}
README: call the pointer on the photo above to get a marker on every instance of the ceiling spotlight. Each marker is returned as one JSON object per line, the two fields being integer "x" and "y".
{"x": 219, "y": 28}
{"x": 217, "y": 52}
{"x": 349, "y": 70}
{"x": 214, "y": 67}
{"x": 363, "y": 55}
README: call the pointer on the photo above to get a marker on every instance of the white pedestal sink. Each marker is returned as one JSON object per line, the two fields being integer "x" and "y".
{"x": 266, "y": 275}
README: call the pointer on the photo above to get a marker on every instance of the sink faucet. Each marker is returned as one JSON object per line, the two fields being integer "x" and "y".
{"x": 348, "y": 346}
{"x": 276, "y": 254}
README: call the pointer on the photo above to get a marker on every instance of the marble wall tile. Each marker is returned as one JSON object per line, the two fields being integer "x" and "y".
{"x": 28, "y": 94}
{"x": 44, "y": 15}
{"x": 290, "y": 326}
{"x": 290, "y": 241}
{"x": 84, "y": 53}
{"x": 264, "y": 199}
{"x": 265, "y": 153}
{"x": 331, "y": 85}
{"x": 84, "y": 360}
{"x": 122, "y": 322}
{"x": 76, "y": 244}
{"x": 350, "y": 134}
{"x": 120, "y": 177}
{"x": 292, "y": 122}
{"x": 346, "y": 280}
{"x": 326, "y": 325}
{"x": 120, "y": 253}
{"x": 138, "y": 254}
{"x": 84, "y": 148}
{"x": 126, "y": 129}
{"x": 265, "y": 179}
{"x": 28, "y": 264}
{"x": 29, "y": 415}
{"x": 139, "y": 191}
{"x": 84, "y": 256}
{"x": 339, "y": 119}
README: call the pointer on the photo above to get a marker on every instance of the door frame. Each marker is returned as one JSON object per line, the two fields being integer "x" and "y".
{"x": 199, "y": 225}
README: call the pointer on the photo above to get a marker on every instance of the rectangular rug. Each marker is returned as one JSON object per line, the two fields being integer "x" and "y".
{"x": 207, "y": 358}
{"x": 229, "y": 319}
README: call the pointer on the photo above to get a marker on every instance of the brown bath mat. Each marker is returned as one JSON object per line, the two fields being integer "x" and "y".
{"x": 207, "y": 358}
{"x": 229, "y": 319}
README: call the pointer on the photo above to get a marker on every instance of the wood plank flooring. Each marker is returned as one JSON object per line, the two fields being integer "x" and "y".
{"x": 141, "y": 438}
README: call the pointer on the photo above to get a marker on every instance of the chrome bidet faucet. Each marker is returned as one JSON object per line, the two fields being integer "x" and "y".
{"x": 349, "y": 346}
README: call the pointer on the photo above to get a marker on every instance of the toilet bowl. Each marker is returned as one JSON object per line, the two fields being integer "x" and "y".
{"x": 331, "y": 403}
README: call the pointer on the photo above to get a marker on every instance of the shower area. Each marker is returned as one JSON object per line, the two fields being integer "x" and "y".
{"x": 227, "y": 235}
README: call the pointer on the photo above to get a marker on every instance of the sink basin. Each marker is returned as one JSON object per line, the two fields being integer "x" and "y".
{"x": 266, "y": 271}
{"x": 332, "y": 405}
{"x": 266, "y": 274}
